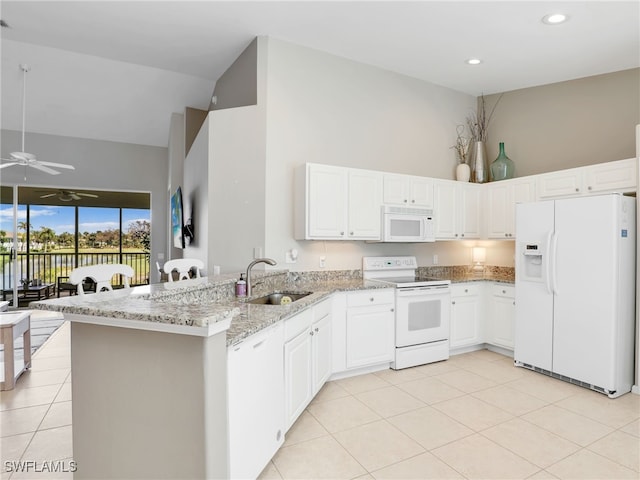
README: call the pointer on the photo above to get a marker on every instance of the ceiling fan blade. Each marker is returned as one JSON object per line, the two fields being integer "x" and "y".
{"x": 48, "y": 195}
{"x": 57, "y": 165}
{"x": 8, "y": 164}
{"x": 38, "y": 166}
{"x": 90, "y": 195}
{"x": 75, "y": 196}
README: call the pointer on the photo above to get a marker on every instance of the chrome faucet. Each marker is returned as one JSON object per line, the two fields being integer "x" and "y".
{"x": 248, "y": 276}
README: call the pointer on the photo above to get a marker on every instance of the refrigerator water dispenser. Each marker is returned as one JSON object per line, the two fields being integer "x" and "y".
{"x": 532, "y": 262}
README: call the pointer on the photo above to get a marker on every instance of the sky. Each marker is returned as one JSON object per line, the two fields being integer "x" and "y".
{"x": 61, "y": 219}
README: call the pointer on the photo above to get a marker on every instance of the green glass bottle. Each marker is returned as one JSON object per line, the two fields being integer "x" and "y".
{"x": 502, "y": 167}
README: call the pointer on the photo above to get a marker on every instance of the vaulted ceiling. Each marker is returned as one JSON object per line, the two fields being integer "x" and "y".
{"x": 117, "y": 70}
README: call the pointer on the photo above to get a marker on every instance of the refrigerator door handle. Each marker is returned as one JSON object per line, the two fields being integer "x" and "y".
{"x": 547, "y": 277}
{"x": 553, "y": 261}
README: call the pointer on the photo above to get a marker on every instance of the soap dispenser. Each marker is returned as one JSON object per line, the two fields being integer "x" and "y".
{"x": 241, "y": 287}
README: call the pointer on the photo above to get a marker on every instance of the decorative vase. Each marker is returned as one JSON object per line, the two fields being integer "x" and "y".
{"x": 478, "y": 162}
{"x": 502, "y": 167}
{"x": 463, "y": 172}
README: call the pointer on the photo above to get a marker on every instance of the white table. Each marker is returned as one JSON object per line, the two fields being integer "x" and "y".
{"x": 12, "y": 325}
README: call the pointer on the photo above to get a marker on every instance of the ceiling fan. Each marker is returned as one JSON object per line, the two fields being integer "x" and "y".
{"x": 69, "y": 195}
{"x": 28, "y": 159}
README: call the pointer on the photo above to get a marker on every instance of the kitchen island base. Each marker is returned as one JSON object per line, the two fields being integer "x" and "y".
{"x": 148, "y": 404}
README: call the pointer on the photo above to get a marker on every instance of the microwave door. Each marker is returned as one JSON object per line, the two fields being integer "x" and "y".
{"x": 404, "y": 228}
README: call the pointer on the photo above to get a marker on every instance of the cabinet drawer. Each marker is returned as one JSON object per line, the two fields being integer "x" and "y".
{"x": 503, "y": 290}
{"x": 295, "y": 325}
{"x": 370, "y": 297}
{"x": 465, "y": 289}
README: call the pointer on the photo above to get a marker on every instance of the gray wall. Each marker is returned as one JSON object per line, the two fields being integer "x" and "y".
{"x": 98, "y": 165}
{"x": 237, "y": 87}
{"x": 568, "y": 124}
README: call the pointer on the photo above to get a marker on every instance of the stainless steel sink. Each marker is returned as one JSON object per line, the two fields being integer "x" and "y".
{"x": 279, "y": 298}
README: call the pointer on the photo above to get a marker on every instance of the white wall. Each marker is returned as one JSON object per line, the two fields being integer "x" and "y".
{"x": 224, "y": 188}
{"x": 326, "y": 109}
{"x": 195, "y": 194}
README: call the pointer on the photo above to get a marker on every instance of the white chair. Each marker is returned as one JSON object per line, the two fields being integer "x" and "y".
{"x": 183, "y": 266}
{"x": 101, "y": 275}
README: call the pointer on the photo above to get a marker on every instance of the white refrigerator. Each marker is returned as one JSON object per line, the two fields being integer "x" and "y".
{"x": 575, "y": 290}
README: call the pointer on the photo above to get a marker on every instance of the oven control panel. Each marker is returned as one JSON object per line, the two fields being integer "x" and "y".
{"x": 389, "y": 263}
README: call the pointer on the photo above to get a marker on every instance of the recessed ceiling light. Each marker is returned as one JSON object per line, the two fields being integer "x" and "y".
{"x": 554, "y": 18}
{"x": 474, "y": 61}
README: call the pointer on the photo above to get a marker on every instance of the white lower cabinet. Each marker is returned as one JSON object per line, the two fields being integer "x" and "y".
{"x": 466, "y": 314}
{"x": 307, "y": 358}
{"x": 370, "y": 324}
{"x": 255, "y": 377}
{"x": 501, "y": 315}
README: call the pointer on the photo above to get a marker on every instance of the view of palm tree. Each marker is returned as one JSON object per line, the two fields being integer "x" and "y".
{"x": 50, "y": 241}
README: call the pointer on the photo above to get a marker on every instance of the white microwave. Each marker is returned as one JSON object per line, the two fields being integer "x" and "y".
{"x": 406, "y": 224}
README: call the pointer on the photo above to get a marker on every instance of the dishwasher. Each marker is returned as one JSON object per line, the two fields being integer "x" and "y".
{"x": 255, "y": 384}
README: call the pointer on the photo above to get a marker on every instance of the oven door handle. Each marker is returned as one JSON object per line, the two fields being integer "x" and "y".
{"x": 412, "y": 292}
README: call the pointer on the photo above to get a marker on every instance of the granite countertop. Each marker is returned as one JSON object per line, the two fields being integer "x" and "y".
{"x": 205, "y": 306}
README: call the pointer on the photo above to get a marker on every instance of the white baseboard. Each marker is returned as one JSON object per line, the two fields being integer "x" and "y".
{"x": 635, "y": 389}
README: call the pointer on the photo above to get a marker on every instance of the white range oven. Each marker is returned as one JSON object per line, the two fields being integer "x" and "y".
{"x": 422, "y": 310}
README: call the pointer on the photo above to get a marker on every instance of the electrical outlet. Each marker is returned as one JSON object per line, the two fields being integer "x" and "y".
{"x": 257, "y": 252}
{"x": 435, "y": 259}
{"x": 323, "y": 261}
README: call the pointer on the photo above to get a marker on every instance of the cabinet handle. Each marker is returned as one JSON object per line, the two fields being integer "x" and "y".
{"x": 506, "y": 234}
{"x": 371, "y": 299}
{"x": 504, "y": 291}
{"x": 341, "y": 233}
{"x": 577, "y": 189}
{"x": 413, "y": 201}
{"x": 453, "y": 302}
{"x": 351, "y": 233}
{"x": 514, "y": 302}
{"x": 311, "y": 333}
{"x": 462, "y": 235}
{"x": 589, "y": 188}
{"x": 466, "y": 290}
{"x": 405, "y": 200}
{"x": 393, "y": 309}
{"x": 456, "y": 234}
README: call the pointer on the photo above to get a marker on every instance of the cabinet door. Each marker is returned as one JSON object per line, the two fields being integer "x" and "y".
{"x": 466, "y": 318}
{"x": 370, "y": 338}
{"x": 396, "y": 189}
{"x": 470, "y": 211}
{"x": 613, "y": 176}
{"x": 560, "y": 184}
{"x": 364, "y": 205}
{"x": 297, "y": 376}
{"x": 498, "y": 209}
{"x": 445, "y": 208}
{"x": 421, "y": 192}
{"x": 502, "y": 316}
{"x": 321, "y": 347}
{"x": 327, "y": 202}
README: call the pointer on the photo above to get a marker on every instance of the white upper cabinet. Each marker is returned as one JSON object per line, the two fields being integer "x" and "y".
{"x": 407, "y": 190}
{"x": 619, "y": 176}
{"x": 337, "y": 203}
{"x": 457, "y": 210}
{"x": 501, "y": 205}
{"x": 364, "y": 204}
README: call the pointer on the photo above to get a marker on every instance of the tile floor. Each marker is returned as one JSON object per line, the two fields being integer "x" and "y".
{"x": 473, "y": 416}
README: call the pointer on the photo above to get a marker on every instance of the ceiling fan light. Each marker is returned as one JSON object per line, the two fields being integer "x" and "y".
{"x": 473, "y": 61}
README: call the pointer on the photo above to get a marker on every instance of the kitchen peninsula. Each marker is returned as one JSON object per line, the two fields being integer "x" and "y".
{"x": 149, "y": 368}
